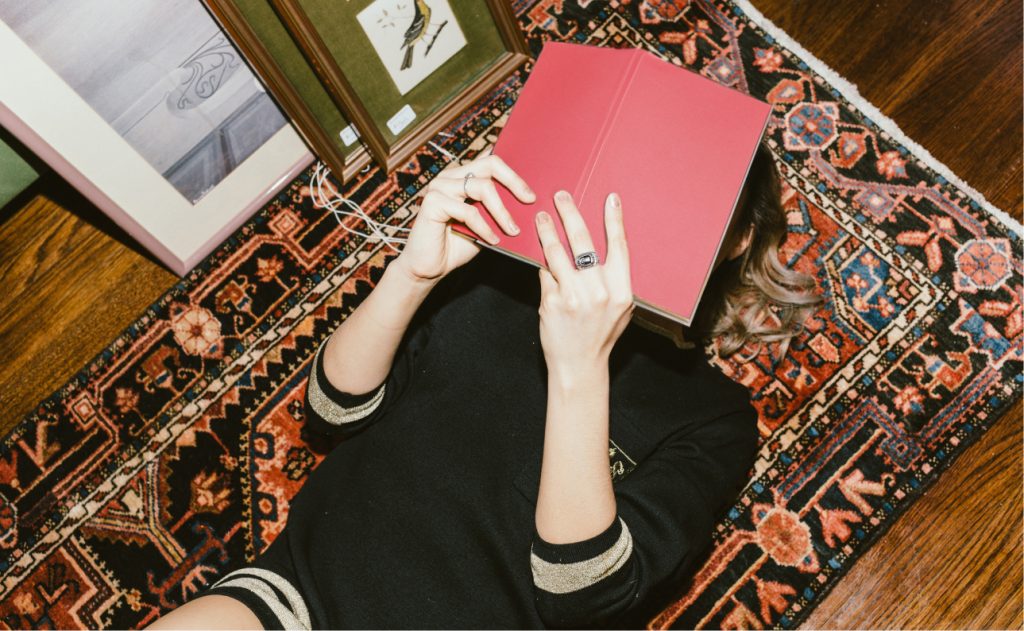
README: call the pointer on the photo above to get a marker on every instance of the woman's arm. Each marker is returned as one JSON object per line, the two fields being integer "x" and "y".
{"x": 597, "y": 551}
{"x": 362, "y": 367}
{"x": 579, "y": 538}
{"x": 666, "y": 510}
{"x": 209, "y": 612}
{"x": 583, "y": 312}
{"x": 359, "y": 353}
{"x": 575, "y": 500}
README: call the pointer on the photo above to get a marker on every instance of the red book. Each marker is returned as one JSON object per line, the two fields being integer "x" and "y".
{"x": 675, "y": 146}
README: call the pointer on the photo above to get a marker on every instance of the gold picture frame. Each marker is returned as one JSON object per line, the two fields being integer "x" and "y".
{"x": 330, "y": 37}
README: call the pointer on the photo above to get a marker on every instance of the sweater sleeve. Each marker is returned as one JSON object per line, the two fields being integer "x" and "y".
{"x": 666, "y": 512}
{"x": 333, "y": 412}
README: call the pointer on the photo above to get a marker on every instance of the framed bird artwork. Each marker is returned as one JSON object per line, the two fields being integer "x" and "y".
{"x": 400, "y": 70}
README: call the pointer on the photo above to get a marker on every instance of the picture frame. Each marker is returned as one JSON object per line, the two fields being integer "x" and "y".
{"x": 152, "y": 115}
{"x": 358, "y": 50}
{"x": 274, "y": 56}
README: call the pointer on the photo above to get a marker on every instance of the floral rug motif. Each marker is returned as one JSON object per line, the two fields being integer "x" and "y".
{"x": 173, "y": 455}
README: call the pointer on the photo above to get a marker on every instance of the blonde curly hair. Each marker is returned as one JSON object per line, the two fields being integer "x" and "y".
{"x": 754, "y": 299}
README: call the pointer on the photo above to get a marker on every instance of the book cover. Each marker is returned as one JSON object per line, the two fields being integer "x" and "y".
{"x": 676, "y": 147}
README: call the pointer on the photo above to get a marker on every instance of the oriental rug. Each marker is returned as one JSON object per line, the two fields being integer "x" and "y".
{"x": 172, "y": 457}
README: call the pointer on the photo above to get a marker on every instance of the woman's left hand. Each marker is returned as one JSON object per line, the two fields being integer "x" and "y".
{"x": 582, "y": 311}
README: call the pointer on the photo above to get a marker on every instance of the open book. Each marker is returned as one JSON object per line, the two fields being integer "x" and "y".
{"x": 676, "y": 147}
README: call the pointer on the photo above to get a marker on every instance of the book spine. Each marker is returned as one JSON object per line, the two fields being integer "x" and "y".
{"x": 613, "y": 113}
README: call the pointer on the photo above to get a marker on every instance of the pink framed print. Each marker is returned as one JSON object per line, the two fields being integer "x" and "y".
{"x": 147, "y": 108}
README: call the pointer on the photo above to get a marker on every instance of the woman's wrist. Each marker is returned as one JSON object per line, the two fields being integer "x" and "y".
{"x": 405, "y": 282}
{"x": 583, "y": 376}
{"x": 401, "y": 264}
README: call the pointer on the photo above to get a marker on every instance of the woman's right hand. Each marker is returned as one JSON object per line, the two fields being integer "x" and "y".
{"x": 432, "y": 249}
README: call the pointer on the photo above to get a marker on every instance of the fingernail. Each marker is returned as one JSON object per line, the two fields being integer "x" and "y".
{"x": 513, "y": 228}
{"x": 616, "y": 202}
{"x": 529, "y": 192}
{"x": 542, "y": 217}
{"x": 562, "y": 196}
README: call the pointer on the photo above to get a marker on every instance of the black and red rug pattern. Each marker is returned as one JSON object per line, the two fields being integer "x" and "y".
{"x": 172, "y": 457}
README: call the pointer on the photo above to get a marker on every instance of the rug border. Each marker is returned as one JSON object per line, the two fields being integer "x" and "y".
{"x": 852, "y": 94}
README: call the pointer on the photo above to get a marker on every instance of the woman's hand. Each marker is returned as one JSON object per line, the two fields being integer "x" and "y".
{"x": 432, "y": 249}
{"x": 582, "y": 311}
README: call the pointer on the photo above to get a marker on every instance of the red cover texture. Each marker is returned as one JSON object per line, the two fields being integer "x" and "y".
{"x": 676, "y": 147}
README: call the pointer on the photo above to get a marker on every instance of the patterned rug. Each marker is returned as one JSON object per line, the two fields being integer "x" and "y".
{"x": 172, "y": 457}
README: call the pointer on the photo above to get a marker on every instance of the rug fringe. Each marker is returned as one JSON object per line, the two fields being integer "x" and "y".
{"x": 850, "y": 92}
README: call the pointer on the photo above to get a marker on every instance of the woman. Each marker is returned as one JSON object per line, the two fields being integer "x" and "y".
{"x": 504, "y": 465}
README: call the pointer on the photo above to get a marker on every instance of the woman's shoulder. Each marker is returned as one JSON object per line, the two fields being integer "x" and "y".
{"x": 662, "y": 395}
{"x": 677, "y": 385}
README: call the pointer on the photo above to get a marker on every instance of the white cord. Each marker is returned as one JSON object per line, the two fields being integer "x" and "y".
{"x": 444, "y": 152}
{"x": 335, "y": 200}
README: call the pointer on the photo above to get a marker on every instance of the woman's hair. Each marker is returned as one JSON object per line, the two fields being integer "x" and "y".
{"x": 755, "y": 299}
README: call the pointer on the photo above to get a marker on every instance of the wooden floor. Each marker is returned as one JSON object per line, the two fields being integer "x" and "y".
{"x": 948, "y": 72}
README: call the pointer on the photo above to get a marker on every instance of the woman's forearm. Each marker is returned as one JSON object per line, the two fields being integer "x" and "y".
{"x": 576, "y": 501}
{"x": 359, "y": 353}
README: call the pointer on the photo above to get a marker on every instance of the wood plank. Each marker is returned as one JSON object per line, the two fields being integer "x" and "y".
{"x": 73, "y": 281}
{"x": 953, "y": 560}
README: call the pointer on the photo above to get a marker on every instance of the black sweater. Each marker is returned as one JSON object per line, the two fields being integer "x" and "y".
{"x": 423, "y": 515}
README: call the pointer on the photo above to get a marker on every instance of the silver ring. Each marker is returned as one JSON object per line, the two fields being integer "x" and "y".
{"x": 586, "y": 259}
{"x": 465, "y": 181}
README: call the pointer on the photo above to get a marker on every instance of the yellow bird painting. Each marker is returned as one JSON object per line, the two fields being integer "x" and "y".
{"x": 416, "y": 31}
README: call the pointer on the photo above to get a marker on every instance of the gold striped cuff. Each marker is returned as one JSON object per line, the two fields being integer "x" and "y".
{"x": 293, "y": 615}
{"x": 563, "y": 578}
{"x": 327, "y": 408}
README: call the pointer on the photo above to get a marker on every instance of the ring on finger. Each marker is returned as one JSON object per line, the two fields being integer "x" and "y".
{"x": 586, "y": 259}
{"x": 465, "y": 181}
